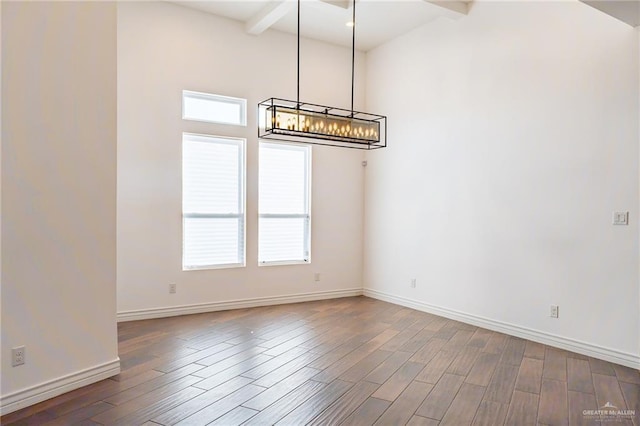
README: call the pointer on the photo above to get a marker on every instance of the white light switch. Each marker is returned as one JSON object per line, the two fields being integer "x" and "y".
{"x": 620, "y": 218}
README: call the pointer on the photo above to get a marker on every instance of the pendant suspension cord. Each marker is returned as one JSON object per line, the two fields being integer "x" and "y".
{"x": 298, "y": 95}
{"x": 353, "y": 54}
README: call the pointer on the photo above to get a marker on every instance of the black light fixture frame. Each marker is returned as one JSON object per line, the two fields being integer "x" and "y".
{"x": 270, "y": 109}
{"x": 270, "y": 128}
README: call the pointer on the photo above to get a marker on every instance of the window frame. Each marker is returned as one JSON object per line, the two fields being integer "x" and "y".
{"x": 307, "y": 194}
{"x": 242, "y": 102}
{"x": 241, "y": 215}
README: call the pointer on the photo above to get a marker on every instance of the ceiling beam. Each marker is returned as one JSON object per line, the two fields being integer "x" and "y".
{"x": 345, "y": 4}
{"x": 451, "y": 8}
{"x": 269, "y": 15}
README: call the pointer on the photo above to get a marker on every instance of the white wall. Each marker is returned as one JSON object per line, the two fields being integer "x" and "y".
{"x": 164, "y": 48}
{"x": 58, "y": 197}
{"x": 513, "y": 135}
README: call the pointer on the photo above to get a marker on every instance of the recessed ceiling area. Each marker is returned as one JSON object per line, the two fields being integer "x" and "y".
{"x": 326, "y": 20}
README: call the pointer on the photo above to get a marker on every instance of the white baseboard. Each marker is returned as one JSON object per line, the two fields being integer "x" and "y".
{"x": 584, "y": 348}
{"x": 41, "y": 392}
{"x": 234, "y": 304}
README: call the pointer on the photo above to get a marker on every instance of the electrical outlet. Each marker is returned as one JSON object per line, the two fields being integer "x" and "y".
{"x": 172, "y": 288}
{"x": 413, "y": 283}
{"x": 316, "y": 276}
{"x": 620, "y": 218}
{"x": 18, "y": 356}
{"x": 553, "y": 312}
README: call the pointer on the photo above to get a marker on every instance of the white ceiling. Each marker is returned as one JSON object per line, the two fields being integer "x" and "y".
{"x": 377, "y": 21}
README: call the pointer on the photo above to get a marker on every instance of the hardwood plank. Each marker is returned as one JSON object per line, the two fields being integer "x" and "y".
{"x": 235, "y": 417}
{"x": 71, "y": 401}
{"x": 490, "y": 413}
{"x": 328, "y": 358}
{"x": 437, "y": 402}
{"x": 432, "y": 372}
{"x": 608, "y": 390}
{"x": 254, "y": 354}
{"x": 445, "y": 333}
{"x": 458, "y": 341}
{"x": 343, "y": 364}
{"x": 130, "y": 380}
{"x": 398, "y": 381}
{"x": 282, "y": 329}
{"x": 280, "y": 389}
{"x": 159, "y": 406}
{"x": 190, "y": 407}
{"x": 553, "y": 409}
{"x": 367, "y": 413}
{"x": 417, "y": 341}
{"x": 294, "y": 343}
{"x": 148, "y": 386}
{"x": 502, "y": 384}
{"x": 480, "y": 338}
{"x": 555, "y": 365}
{"x": 579, "y": 375}
{"x": 365, "y": 366}
{"x": 578, "y": 402}
{"x": 534, "y": 350}
{"x": 631, "y": 393}
{"x": 283, "y": 406}
{"x": 428, "y": 351}
{"x": 575, "y": 355}
{"x": 273, "y": 363}
{"x": 286, "y": 370}
{"x": 496, "y": 343}
{"x": 598, "y": 366}
{"x": 284, "y": 337}
{"x": 80, "y": 414}
{"x": 395, "y": 343}
{"x": 530, "y": 375}
{"x": 626, "y": 374}
{"x": 436, "y": 324}
{"x": 402, "y": 409}
{"x": 310, "y": 408}
{"x": 523, "y": 409}
{"x": 464, "y": 406}
{"x": 133, "y": 405}
{"x": 174, "y": 364}
{"x": 231, "y": 372}
{"x": 513, "y": 352}
{"x": 222, "y": 406}
{"x": 51, "y": 406}
{"x": 482, "y": 369}
{"x": 345, "y": 405}
{"x": 463, "y": 363}
{"x": 250, "y": 347}
{"x": 422, "y": 421}
{"x": 385, "y": 370}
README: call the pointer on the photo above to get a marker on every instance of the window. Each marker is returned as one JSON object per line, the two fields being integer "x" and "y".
{"x": 213, "y": 193}
{"x": 284, "y": 207}
{"x": 213, "y": 108}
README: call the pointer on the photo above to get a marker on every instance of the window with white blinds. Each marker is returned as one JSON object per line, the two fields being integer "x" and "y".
{"x": 213, "y": 193}
{"x": 284, "y": 203}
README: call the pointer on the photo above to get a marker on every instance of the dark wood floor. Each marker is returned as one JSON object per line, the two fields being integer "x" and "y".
{"x": 353, "y": 361}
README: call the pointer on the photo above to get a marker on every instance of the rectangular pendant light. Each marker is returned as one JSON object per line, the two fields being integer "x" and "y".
{"x": 291, "y": 121}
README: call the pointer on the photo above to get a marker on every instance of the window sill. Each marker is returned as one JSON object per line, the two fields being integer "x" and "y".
{"x": 285, "y": 263}
{"x": 206, "y": 267}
